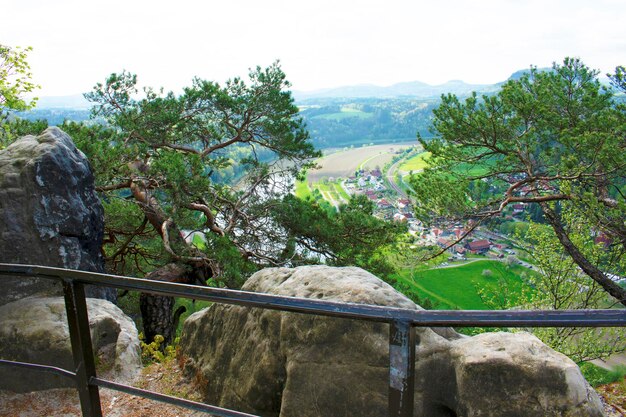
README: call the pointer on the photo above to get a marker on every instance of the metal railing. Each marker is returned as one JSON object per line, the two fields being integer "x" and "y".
{"x": 402, "y": 323}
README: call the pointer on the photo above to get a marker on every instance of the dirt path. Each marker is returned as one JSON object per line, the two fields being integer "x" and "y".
{"x": 166, "y": 379}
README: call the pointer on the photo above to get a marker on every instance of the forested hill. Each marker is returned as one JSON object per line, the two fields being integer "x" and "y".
{"x": 339, "y": 117}
{"x": 346, "y": 122}
{"x": 360, "y": 114}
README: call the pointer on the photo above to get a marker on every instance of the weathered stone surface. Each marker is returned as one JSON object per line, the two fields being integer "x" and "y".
{"x": 35, "y": 330}
{"x": 49, "y": 212}
{"x": 500, "y": 374}
{"x": 286, "y": 364}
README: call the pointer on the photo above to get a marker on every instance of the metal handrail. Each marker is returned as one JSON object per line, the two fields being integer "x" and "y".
{"x": 401, "y": 331}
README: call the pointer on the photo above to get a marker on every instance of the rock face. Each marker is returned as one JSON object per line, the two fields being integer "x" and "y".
{"x": 285, "y": 364}
{"x": 49, "y": 212}
{"x": 35, "y": 330}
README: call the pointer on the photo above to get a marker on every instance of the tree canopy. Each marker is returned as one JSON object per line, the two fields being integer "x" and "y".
{"x": 15, "y": 78}
{"x": 203, "y": 181}
{"x": 550, "y": 138}
{"x": 15, "y": 81}
{"x": 157, "y": 167}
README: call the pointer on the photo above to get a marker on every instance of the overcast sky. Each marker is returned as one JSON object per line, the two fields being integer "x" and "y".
{"x": 320, "y": 43}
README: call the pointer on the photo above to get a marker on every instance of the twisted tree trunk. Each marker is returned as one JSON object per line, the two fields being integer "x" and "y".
{"x": 591, "y": 270}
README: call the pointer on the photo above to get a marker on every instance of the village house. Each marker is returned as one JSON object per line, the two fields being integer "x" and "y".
{"x": 479, "y": 246}
{"x": 399, "y": 217}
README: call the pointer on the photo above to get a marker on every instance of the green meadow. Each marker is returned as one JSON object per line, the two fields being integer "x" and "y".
{"x": 415, "y": 163}
{"x": 457, "y": 287}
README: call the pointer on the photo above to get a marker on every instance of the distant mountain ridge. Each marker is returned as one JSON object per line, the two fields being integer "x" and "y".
{"x": 413, "y": 89}
{"x": 410, "y": 89}
{"x": 416, "y": 89}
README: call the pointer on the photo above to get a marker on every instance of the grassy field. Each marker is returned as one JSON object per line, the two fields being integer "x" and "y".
{"x": 331, "y": 191}
{"x": 341, "y": 192}
{"x": 416, "y": 163}
{"x": 302, "y": 190}
{"x": 456, "y": 288}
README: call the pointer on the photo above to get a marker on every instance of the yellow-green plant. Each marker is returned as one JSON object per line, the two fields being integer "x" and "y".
{"x": 153, "y": 352}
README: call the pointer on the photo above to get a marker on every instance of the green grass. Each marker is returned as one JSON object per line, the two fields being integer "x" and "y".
{"x": 416, "y": 163}
{"x": 302, "y": 190}
{"x": 457, "y": 288}
{"x": 332, "y": 190}
{"x": 596, "y": 375}
{"x": 341, "y": 192}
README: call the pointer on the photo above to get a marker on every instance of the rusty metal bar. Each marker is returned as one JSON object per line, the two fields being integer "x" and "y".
{"x": 401, "y": 369}
{"x": 192, "y": 405}
{"x": 39, "y": 367}
{"x": 80, "y": 336}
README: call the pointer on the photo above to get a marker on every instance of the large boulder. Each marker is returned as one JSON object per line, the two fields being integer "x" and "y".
{"x": 500, "y": 374}
{"x": 50, "y": 213}
{"x": 35, "y": 330}
{"x": 287, "y": 364}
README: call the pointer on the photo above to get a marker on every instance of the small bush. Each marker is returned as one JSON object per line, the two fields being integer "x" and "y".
{"x": 151, "y": 352}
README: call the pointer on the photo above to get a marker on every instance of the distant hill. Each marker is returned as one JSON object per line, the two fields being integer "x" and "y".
{"x": 76, "y": 101}
{"x": 335, "y": 117}
{"x": 413, "y": 89}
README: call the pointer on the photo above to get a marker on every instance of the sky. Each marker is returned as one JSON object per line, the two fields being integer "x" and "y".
{"x": 320, "y": 44}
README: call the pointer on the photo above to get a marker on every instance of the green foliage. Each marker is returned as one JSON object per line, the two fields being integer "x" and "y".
{"x": 547, "y": 138}
{"x": 191, "y": 306}
{"x": 596, "y": 375}
{"x": 345, "y": 112}
{"x": 345, "y": 122}
{"x": 559, "y": 285}
{"x": 349, "y": 236}
{"x": 15, "y": 78}
{"x": 15, "y": 81}
{"x": 167, "y": 166}
{"x": 406, "y": 289}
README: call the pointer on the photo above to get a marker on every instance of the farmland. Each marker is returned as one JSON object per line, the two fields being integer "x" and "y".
{"x": 415, "y": 163}
{"x": 345, "y": 112}
{"x": 344, "y": 163}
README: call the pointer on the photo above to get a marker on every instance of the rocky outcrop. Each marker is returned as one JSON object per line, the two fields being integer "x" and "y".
{"x": 286, "y": 364}
{"x": 49, "y": 212}
{"x": 500, "y": 374}
{"x": 35, "y": 330}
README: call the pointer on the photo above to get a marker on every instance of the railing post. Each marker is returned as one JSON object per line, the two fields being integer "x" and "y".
{"x": 401, "y": 369}
{"x": 80, "y": 336}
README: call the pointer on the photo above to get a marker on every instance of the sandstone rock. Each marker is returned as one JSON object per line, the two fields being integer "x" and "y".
{"x": 35, "y": 330}
{"x": 500, "y": 374}
{"x": 49, "y": 212}
{"x": 287, "y": 364}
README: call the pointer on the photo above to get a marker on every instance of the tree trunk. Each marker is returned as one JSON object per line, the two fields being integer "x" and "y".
{"x": 192, "y": 267}
{"x": 157, "y": 310}
{"x": 591, "y": 270}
